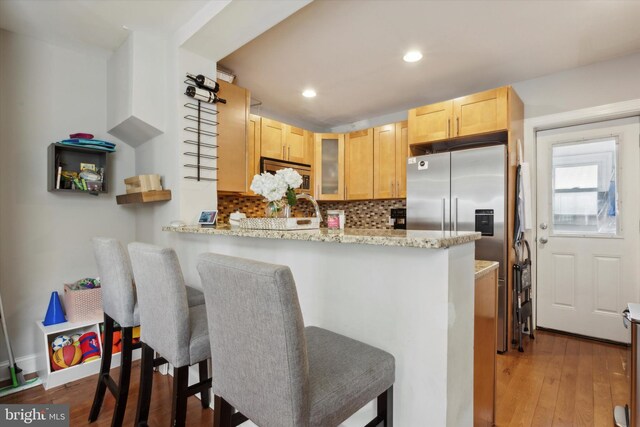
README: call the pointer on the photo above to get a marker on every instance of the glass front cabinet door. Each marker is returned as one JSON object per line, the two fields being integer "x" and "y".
{"x": 329, "y": 166}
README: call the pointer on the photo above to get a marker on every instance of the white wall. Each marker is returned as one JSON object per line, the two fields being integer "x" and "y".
{"x": 589, "y": 86}
{"x": 164, "y": 154}
{"x": 46, "y": 93}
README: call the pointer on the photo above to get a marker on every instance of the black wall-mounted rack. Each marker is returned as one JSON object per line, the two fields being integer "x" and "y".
{"x": 203, "y": 142}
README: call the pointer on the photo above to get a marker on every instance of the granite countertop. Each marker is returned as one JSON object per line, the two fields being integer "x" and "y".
{"x": 485, "y": 267}
{"x": 406, "y": 238}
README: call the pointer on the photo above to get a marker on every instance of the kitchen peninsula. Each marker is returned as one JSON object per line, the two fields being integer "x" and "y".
{"x": 407, "y": 292}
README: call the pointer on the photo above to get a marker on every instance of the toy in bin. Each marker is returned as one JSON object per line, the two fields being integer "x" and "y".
{"x": 75, "y": 338}
{"x": 90, "y": 347}
{"x": 65, "y": 357}
{"x": 83, "y": 300}
{"x": 61, "y": 341}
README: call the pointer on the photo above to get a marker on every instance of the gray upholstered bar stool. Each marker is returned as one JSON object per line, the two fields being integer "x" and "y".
{"x": 270, "y": 367}
{"x": 169, "y": 327}
{"x": 119, "y": 306}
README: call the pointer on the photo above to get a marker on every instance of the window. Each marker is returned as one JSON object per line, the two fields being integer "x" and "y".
{"x": 584, "y": 186}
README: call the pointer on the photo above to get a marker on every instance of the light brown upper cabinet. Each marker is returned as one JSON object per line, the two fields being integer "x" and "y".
{"x": 232, "y": 151}
{"x": 294, "y": 144}
{"x": 253, "y": 149}
{"x": 482, "y": 112}
{"x": 272, "y": 139}
{"x": 476, "y": 114}
{"x": 402, "y": 153}
{"x": 390, "y": 151}
{"x": 308, "y": 148}
{"x": 384, "y": 162}
{"x": 431, "y": 122}
{"x": 329, "y": 166}
{"x": 359, "y": 165}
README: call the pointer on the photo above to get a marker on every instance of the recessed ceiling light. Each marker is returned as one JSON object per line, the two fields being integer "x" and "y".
{"x": 309, "y": 93}
{"x": 412, "y": 56}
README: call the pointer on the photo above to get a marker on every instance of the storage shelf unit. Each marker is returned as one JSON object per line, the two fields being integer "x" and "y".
{"x": 144, "y": 197}
{"x": 70, "y": 157}
{"x": 51, "y": 378}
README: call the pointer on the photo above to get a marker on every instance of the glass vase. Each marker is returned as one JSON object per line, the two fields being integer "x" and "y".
{"x": 277, "y": 209}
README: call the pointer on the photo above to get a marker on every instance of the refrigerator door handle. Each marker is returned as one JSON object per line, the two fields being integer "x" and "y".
{"x": 455, "y": 223}
{"x": 444, "y": 202}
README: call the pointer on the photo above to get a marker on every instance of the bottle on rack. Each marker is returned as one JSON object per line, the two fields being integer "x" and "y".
{"x": 207, "y": 83}
{"x": 204, "y": 95}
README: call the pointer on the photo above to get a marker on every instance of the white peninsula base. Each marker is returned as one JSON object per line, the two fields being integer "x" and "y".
{"x": 415, "y": 303}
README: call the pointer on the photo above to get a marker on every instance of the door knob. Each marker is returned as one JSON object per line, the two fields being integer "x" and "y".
{"x": 543, "y": 226}
{"x": 543, "y": 240}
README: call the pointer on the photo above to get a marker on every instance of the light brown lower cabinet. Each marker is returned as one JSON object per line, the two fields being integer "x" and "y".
{"x": 485, "y": 349}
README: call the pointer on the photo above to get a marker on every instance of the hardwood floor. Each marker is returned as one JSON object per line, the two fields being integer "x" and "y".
{"x": 557, "y": 381}
{"x": 562, "y": 381}
{"x": 79, "y": 396}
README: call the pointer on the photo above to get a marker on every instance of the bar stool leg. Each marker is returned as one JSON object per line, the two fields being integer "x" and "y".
{"x": 222, "y": 412}
{"x": 385, "y": 407}
{"x": 203, "y": 370}
{"x": 105, "y": 366}
{"x": 146, "y": 385}
{"x": 179, "y": 398}
{"x": 125, "y": 377}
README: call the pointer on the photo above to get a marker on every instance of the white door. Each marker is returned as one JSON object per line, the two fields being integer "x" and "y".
{"x": 588, "y": 262}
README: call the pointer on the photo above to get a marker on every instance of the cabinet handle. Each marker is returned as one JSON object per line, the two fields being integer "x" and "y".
{"x": 284, "y": 156}
{"x": 448, "y": 127}
{"x": 391, "y": 185}
{"x": 455, "y": 224}
{"x": 289, "y": 153}
{"x": 398, "y": 189}
{"x": 458, "y": 126}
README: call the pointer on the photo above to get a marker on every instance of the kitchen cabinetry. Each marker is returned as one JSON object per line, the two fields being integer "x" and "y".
{"x": 390, "y": 151}
{"x": 431, "y": 122}
{"x": 253, "y": 149}
{"x": 359, "y": 165}
{"x": 476, "y": 114}
{"x": 384, "y": 161}
{"x": 402, "y": 153}
{"x": 232, "y": 152}
{"x": 484, "y": 343}
{"x": 272, "y": 139}
{"x": 284, "y": 142}
{"x": 481, "y": 112}
{"x": 329, "y": 166}
{"x": 295, "y": 144}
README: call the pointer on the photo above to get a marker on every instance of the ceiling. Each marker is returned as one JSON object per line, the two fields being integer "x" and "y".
{"x": 350, "y": 52}
{"x": 94, "y": 25}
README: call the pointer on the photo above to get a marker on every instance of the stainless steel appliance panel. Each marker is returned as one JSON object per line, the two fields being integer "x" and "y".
{"x": 428, "y": 192}
{"x": 274, "y": 165}
{"x": 478, "y": 183}
{"x": 478, "y": 188}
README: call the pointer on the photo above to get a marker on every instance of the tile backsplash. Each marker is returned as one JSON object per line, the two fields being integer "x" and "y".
{"x": 359, "y": 214}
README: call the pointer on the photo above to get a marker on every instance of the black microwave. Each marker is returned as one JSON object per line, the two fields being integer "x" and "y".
{"x": 272, "y": 165}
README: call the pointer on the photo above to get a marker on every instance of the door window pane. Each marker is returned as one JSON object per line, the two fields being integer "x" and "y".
{"x": 584, "y": 184}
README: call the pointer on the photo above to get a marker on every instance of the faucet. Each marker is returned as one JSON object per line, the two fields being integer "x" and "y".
{"x": 313, "y": 202}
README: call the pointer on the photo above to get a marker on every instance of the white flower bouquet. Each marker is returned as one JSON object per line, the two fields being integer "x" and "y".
{"x": 276, "y": 187}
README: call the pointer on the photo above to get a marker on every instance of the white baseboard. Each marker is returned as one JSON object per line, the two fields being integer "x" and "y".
{"x": 26, "y": 363}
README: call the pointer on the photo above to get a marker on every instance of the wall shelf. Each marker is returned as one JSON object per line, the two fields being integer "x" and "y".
{"x": 69, "y": 158}
{"x": 144, "y": 197}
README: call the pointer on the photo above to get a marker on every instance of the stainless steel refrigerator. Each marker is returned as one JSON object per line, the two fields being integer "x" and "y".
{"x": 465, "y": 191}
